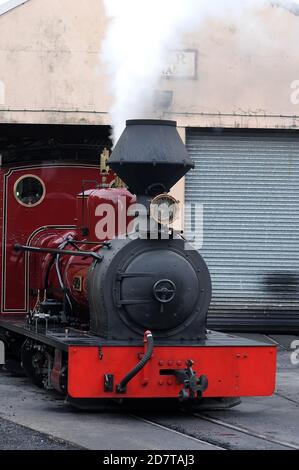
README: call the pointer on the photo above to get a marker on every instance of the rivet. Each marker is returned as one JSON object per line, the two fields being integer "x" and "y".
{"x": 170, "y": 363}
{"x": 161, "y": 363}
{"x": 179, "y": 363}
{"x": 169, "y": 381}
{"x": 161, "y": 382}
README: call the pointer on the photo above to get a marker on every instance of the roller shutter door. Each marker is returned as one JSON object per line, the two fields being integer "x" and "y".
{"x": 248, "y": 183}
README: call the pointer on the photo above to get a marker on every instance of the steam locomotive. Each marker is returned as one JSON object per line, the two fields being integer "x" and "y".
{"x": 117, "y": 316}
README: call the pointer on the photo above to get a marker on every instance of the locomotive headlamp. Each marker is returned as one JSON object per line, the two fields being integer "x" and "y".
{"x": 164, "y": 209}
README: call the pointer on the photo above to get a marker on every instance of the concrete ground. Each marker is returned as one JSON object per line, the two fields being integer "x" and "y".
{"x": 14, "y": 436}
{"x": 39, "y": 419}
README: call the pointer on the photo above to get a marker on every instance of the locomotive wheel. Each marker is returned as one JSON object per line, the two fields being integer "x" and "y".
{"x": 34, "y": 361}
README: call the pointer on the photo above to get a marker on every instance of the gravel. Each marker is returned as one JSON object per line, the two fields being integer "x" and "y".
{"x": 16, "y": 437}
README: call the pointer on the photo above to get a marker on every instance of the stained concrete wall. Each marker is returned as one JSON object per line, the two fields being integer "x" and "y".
{"x": 49, "y": 62}
{"x": 50, "y": 71}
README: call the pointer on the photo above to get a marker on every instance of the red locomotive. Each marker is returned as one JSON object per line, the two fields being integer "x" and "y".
{"x": 122, "y": 315}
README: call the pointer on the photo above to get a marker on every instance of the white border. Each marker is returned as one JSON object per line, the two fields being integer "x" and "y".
{"x": 10, "y": 5}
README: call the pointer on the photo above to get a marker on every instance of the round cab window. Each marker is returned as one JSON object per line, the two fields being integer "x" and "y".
{"x": 29, "y": 190}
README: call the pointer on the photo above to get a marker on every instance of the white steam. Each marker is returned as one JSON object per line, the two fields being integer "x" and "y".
{"x": 139, "y": 35}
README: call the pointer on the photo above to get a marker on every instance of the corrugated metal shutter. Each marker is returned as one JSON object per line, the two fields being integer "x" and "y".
{"x": 248, "y": 183}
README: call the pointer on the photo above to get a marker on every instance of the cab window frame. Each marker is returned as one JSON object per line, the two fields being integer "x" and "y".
{"x": 23, "y": 177}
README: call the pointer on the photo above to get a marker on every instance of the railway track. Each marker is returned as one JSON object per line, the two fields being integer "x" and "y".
{"x": 281, "y": 395}
{"x": 187, "y": 429}
{"x": 246, "y": 431}
{"x": 207, "y": 443}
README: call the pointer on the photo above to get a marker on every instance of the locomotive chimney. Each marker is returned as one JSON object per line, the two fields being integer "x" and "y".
{"x": 150, "y": 157}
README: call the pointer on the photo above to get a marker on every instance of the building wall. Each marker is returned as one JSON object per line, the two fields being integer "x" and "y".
{"x": 244, "y": 74}
{"x": 50, "y": 70}
{"x": 49, "y": 63}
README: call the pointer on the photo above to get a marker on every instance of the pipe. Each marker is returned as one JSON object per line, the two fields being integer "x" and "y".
{"x": 148, "y": 339}
{"x": 61, "y": 283}
{"x": 57, "y": 251}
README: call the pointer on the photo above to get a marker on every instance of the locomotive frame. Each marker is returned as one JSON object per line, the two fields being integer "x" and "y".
{"x": 68, "y": 356}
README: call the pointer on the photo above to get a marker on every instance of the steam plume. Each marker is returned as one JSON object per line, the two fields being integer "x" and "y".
{"x": 139, "y": 35}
